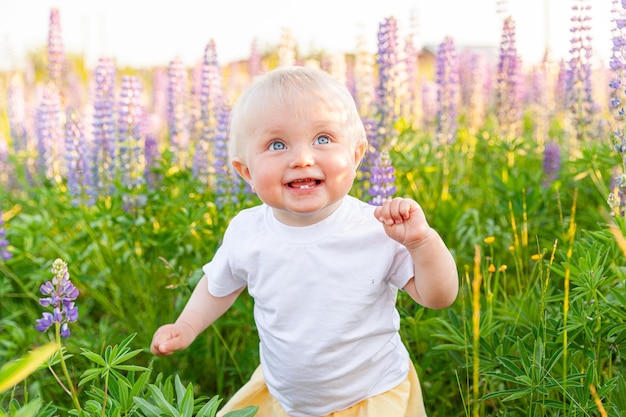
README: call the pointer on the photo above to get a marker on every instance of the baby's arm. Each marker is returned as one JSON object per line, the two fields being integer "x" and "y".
{"x": 435, "y": 283}
{"x": 201, "y": 311}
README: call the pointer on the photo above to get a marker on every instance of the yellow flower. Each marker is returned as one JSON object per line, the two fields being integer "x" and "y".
{"x": 492, "y": 268}
{"x": 536, "y": 257}
{"x": 511, "y": 248}
{"x": 502, "y": 268}
{"x": 489, "y": 240}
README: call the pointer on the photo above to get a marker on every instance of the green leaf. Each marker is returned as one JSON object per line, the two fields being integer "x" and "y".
{"x": 187, "y": 403}
{"x": 131, "y": 368}
{"x": 161, "y": 401}
{"x": 249, "y": 411}
{"x": 525, "y": 380}
{"x": 209, "y": 409}
{"x": 510, "y": 365}
{"x": 503, "y": 376}
{"x": 509, "y": 394}
{"x": 125, "y": 357}
{"x": 94, "y": 357}
{"x": 180, "y": 390}
{"x": 89, "y": 375}
{"x": 140, "y": 384}
{"x": 146, "y": 407}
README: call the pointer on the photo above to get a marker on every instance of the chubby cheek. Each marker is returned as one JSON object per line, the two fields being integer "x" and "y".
{"x": 265, "y": 182}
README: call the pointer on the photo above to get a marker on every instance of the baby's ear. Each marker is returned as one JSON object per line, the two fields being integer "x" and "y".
{"x": 359, "y": 151}
{"x": 243, "y": 171}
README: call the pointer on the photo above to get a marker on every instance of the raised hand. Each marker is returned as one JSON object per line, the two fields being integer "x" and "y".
{"x": 404, "y": 221}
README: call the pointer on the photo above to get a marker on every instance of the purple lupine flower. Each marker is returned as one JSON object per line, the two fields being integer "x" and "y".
{"x": 195, "y": 105}
{"x": 579, "y": 83}
{"x": 16, "y": 112}
{"x": 539, "y": 102}
{"x": 78, "y": 162}
{"x": 50, "y": 134}
{"x": 617, "y": 63}
{"x": 131, "y": 138}
{"x": 131, "y": 143}
{"x": 371, "y": 156}
{"x": 551, "y": 163}
{"x": 507, "y": 89}
{"x": 447, "y": 79}
{"x": 60, "y": 294}
{"x": 6, "y": 176}
{"x": 560, "y": 88}
{"x": 225, "y": 180}
{"x": 211, "y": 96}
{"x": 382, "y": 179}
{"x": 617, "y": 103}
{"x": 4, "y": 243}
{"x": 56, "y": 53}
{"x": 178, "y": 112}
{"x": 387, "y": 60}
{"x": 104, "y": 144}
{"x": 151, "y": 156}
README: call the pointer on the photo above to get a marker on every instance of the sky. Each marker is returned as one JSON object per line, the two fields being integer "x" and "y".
{"x": 153, "y": 32}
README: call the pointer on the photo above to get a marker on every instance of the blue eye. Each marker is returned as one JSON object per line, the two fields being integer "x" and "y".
{"x": 276, "y": 146}
{"x": 322, "y": 140}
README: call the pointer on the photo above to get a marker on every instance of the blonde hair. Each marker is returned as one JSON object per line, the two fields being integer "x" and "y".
{"x": 286, "y": 84}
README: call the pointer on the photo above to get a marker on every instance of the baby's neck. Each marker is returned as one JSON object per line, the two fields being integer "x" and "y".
{"x": 295, "y": 219}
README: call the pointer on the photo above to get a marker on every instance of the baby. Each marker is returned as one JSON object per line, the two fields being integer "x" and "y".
{"x": 323, "y": 268}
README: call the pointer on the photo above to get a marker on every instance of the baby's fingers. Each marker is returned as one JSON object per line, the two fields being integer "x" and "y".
{"x": 397, "y": 210}
{"x": 164, "y": 342}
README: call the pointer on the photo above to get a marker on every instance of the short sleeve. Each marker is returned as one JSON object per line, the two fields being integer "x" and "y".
{"x": 221, "y": 279}
{"x": 402, "y": 268}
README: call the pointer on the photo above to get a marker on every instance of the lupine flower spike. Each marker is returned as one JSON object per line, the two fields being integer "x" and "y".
{"x": 382, "y": 179}
{"x": 104, "y": 147}
{"x": 59, "y": 294}
{"x": 508, "y": 83}
{"x": 386, "y": 91}
{"x": 5, "y": 255}
{"x": 617, "y": 198}
{"x": 580, "y": 100}
{"x": 56, "y": 54}
{"x": 447, "y": 79}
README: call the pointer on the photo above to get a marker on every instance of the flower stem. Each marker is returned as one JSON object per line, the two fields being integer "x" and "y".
{"x": 70, "y": 385}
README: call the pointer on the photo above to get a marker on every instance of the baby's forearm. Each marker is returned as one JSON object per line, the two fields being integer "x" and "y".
{"x": 203, "y": 308}
{"x": 436, "y": 281}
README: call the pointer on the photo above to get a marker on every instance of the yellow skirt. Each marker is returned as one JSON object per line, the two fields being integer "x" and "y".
{"x": 405, "y": 400}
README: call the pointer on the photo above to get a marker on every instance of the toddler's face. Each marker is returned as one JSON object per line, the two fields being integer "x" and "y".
{"x": 299, "y": 162}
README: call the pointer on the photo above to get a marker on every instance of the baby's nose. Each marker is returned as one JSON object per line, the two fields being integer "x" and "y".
{"x": 302, "y": 156}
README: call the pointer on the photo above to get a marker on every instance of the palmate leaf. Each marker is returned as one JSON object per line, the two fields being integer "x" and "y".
{"x": 14, "y": 372}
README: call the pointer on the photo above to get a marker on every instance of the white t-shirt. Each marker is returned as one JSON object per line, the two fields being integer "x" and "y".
{"x": 324, "y": 304}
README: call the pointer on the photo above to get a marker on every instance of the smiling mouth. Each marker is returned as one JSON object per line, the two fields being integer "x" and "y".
{"x": 304, "y": 184}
